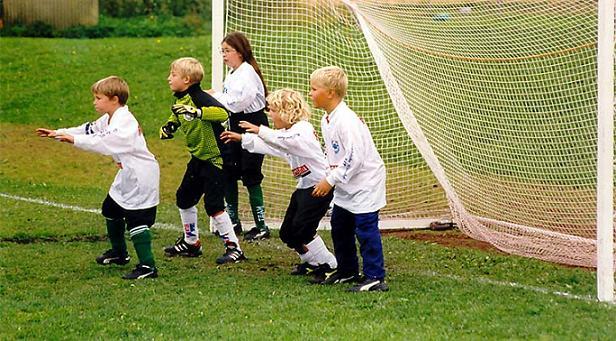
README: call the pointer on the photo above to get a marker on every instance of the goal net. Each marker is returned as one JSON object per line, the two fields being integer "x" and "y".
{"x": 483, "y": 111}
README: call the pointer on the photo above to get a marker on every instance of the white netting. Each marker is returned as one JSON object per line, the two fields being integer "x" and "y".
{"x": 499, "y": 97}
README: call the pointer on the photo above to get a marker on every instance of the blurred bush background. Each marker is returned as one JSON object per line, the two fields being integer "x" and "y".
{"x": 117, "y": 18}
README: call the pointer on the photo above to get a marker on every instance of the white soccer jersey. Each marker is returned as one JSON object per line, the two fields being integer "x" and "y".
{"x": 356, "y": 168}
{"x": 136, "y": 184}
{"x": 298, "y": 144}
{"x": 242, "y": 91}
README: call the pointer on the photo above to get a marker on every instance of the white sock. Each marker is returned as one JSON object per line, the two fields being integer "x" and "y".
{"x": 212, "y": 226}
{"x": 222, "y": 224}
{"x": 321, "y": 254}
{"x": 189, "y": 222}
{"x": 307, "y": 257}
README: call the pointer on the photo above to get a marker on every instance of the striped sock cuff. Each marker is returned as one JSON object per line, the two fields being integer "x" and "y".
{"x": 137, "y": 230}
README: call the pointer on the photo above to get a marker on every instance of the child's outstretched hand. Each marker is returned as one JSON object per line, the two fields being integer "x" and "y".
{"x": 65, "y": 138}
{"x": 250, "y": 128}
{"x": 230, "y": 136}
{"x": 43, "y": 132}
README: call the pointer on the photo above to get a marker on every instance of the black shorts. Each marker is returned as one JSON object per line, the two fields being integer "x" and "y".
{"x": 133, "y": 218}
{"x": 238, "y": 163}
{"x": 303, "y": 216}
{"x": 201, "y": 178}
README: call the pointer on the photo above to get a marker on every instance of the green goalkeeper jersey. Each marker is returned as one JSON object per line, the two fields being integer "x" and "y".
{"x": 202, "y": 135}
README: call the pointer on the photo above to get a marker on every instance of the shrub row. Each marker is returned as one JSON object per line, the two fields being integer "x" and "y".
{"x": 150, "y": 26}
{"x": 128, "y": 18}
{"x": 177, "y": 8}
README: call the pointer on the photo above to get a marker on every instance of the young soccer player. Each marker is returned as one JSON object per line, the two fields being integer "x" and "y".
{"x": 357, "y": 177}
{"x": 199, "y": 116}
{"x": 295, "y": 140}
{"x": 133, "y": 196}
{"x": 244, "y": 96}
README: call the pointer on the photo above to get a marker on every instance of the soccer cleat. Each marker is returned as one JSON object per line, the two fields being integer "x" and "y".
{"x": 370, "y": 284}
{"x": 113, "y": 257}
{"x": 256, "y": 233}
{"x": 335, "y": 277}
{"x": 182, "y": 248}
{"x": 142, "y": 271}
{"x": 321, "y": 272}
{"x": 303, "y": 269}
{"x": 231, "y": 255}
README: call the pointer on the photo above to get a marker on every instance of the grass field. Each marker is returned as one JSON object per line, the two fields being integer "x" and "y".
{"x": 50, "y": 287}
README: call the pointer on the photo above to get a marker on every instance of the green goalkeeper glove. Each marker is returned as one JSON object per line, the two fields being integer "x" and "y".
{"x": 189, "y": 112}
{"x": 166, "y": 131}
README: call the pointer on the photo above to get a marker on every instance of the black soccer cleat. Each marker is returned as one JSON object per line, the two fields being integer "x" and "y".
{"x": 321, "y": 272}
{"x": 256, "y": 233}
{"x": 142, "y": 271}
{"x": 336, "y": 277}
{"x": 182, "y": 248}
{"x": 113, "y": 257}
{"x": 370, "y": 284}
{"x": 231, "y": 255}
{"x": 303, "y": 269}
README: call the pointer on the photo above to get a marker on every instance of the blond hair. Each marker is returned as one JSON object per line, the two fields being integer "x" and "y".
{"x": 112, "y": 86}
{"x": 289, "y": 104}
{"x": 332, "y": 78}
{"x": 188, "y": 67}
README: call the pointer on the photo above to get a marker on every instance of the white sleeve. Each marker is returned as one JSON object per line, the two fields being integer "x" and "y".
{"x": 116, "y": 140}
{"x": 238, "y": 100}
{"x": 291, "y": 141}
{"x": 351, "y": 139}
{"x": 255, "y": 144}
{"x": 84, "y": 129}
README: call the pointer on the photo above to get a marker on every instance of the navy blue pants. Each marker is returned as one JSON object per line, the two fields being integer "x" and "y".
{"x": 345, "y": 227}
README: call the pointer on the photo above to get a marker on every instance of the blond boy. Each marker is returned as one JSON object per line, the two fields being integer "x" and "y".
{"x": 357, "y": 177}
{"x": 199, "y": 116}
{"x": 133, "y": 196}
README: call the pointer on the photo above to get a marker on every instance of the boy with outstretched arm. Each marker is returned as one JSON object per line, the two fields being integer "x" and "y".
{"x": 357, "y": 177}
{"x": 133, "y": 196}
{"x": 199, "y": 116}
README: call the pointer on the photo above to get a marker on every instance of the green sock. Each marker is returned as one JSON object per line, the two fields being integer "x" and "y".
{"x": 255, "y": 195}
{"x": 231, "y": 197}
{"x": 142, "y": 240}
{"x": 115, "y": 232}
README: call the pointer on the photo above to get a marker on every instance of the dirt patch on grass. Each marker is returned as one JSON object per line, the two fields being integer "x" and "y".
{"x": 450, "y": 238}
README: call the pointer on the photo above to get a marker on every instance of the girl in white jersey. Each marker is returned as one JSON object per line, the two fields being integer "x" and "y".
{"x": 294, "y": 139}
{"x": 243, "y": 95}
{"x": 133, "y": 196}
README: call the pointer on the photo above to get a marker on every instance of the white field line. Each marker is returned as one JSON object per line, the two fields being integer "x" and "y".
{"x": 163, "y": 226}
{"x": 587, "y": 298}
{"x": 166, "y": 226}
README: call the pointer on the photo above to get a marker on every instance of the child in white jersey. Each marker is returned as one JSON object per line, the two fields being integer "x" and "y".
{"x": 243, "y": 95}
{"x": 294, "y": 139}
{"x": 357, "y": 177}
{"x": 133, "y": 196}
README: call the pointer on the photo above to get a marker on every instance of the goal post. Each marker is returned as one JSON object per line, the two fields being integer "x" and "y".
{"x": 605, "y": 151}
{"x": 497, "y": 114}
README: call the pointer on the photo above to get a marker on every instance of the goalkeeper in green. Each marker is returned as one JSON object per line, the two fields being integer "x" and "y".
{"x": 199, "y": 116}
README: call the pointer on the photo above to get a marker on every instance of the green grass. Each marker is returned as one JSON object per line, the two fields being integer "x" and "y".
{"x": 50, "y": 287}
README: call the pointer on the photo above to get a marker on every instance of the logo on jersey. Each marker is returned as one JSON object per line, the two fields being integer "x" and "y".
{"x": 336, "y": 146}
{"x": 301, "y": 171}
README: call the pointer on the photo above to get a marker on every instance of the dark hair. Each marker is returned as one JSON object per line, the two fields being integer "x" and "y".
{"x": 240, "y": 43}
